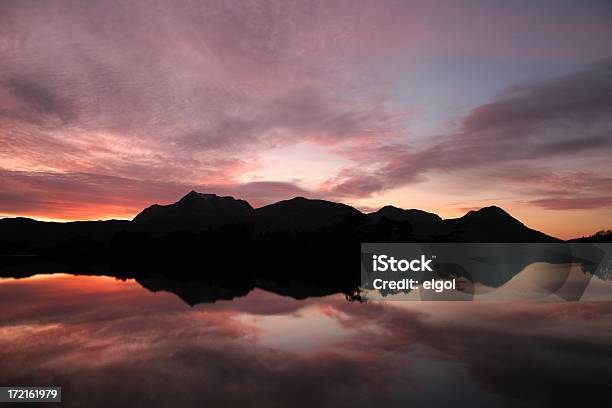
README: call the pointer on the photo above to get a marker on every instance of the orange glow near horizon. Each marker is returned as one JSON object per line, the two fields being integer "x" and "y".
{"x": 368, "y": 106}
{"x": 559, "y": 224}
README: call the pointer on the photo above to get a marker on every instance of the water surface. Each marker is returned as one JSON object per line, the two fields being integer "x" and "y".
{"x": 110, "y": 342}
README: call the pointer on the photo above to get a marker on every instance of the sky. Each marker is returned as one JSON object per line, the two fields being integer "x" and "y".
{"x": 109, "y": 106}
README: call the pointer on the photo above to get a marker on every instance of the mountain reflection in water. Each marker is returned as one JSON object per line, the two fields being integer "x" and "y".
{"x": 110, "y": 342}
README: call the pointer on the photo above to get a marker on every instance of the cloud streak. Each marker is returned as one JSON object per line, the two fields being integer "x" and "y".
{"x": 154, "y": 97}
{"x": 540, "y": 124}
{"x": 53, "y": 195}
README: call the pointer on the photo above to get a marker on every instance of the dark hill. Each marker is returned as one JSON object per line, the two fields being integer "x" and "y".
{"x": 301, "y": 213}
{"x": 20, "y": 232}
{"x": 599, "y": 236}
{"x": 492, "y": 224}
{"x": 195, "y": 212}
{"x": 397, "y": 214}
{"x": 229, "y": 221}
{"x": 206, "y": 247}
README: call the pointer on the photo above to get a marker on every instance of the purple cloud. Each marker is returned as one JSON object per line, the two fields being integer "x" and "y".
{"x": 534, "y": 125}
{"x": 197, "y": 93}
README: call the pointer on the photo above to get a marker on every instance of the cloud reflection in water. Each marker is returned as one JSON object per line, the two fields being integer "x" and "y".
{"x": 109, "y": 343}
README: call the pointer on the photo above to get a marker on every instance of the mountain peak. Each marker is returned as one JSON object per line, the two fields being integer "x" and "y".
{"x": 493, "y": 224}
{"x": 197, "y": 210}
{"x": 489, "y": 213}
{"x": 194, "y": 195}
{"x": 389, "y": 208}
{"x": 493, "y": 209}
{"x": 399, "y": 214}
{"x": 302, "y": 213}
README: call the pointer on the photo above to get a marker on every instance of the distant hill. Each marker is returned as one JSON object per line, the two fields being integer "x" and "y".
{"x": 301, "y": 213}
{"x": 21, "y": 235}
{"x": 194, "y": 212}
{"x": 492, "y": 224}
{"x": 198, "y": 213}
{"x": 207, "y": 247}
{"x": 397, "y": 214}
{"x": 489, "y": 224}
{"x": 599, "y": 236}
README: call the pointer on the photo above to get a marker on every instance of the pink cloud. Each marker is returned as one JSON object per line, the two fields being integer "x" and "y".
{"x": 530, "y": 127}
{"x": 191, "y": 94}
{"x": 573, "y": 203}
{"x": 55, "y": 194}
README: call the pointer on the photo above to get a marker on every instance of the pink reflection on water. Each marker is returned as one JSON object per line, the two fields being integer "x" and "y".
{"x": 95, "y": 334}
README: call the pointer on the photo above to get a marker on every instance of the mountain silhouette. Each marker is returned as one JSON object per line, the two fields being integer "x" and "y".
{"x": 301, "y": 213}
{"x": 397, "y": 214}
{"x": 207, "y": 247}
{"x": 599, "y": 236}
{"x": 489, "y": 224}
{"x": 492, "y": 224}
{"x": 298, "y": 247}
{"x": 27, "y": 236}
{"x": 195, "y": 211}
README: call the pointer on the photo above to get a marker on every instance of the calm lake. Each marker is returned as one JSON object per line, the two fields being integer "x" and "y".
{"x": 109, "y": 342}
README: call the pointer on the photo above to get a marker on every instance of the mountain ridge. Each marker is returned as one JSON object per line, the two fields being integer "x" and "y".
{"x": 204, "y": 211}
{"x": 195, "y": 211}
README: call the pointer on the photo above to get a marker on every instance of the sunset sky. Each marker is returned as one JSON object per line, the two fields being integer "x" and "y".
{"x": 447, "y": 106}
